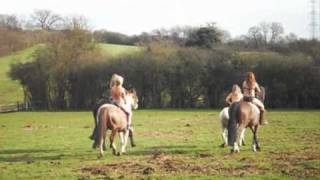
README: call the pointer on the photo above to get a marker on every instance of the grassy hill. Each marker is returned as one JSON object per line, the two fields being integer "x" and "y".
{"x": 11, "y": 91}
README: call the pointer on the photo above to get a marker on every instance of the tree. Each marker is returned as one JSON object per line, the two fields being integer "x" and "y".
{"x": 76, "y": 22}
{"x": 255, "y": 36}
{"x": 205, "y": 36}
{"x": 276, "y": 31}
{"x": 45, "y": 19}
{"x": 10, "y": 21}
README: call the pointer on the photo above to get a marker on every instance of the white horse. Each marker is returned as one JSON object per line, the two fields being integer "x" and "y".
{"x": 224, "y": 119}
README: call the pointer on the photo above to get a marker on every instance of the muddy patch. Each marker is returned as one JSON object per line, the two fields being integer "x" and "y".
{"x": 292, "y": 163}
{"x": 165, "y": 164}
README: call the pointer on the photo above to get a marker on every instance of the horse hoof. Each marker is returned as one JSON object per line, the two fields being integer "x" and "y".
{"x": 234, "y": 151}
{"x": 223, "y": 145}
{"x": 100, "y": 156}
{"x": 133, "y": 145}
{"x": 118, "y": 154}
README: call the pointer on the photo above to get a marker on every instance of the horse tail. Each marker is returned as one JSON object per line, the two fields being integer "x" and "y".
{"x": 232, "y": 124}
{"x": 102, "y": 118}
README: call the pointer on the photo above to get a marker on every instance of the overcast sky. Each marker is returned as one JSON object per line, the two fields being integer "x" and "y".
{"x": 135, "y": 16}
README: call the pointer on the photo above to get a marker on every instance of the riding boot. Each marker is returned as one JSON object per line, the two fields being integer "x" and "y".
{"x": 263, "y": 121}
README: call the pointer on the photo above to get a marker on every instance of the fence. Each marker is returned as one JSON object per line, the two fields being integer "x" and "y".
{"x": 15, "y": 107}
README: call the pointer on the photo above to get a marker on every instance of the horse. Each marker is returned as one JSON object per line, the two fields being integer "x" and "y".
{"x": 244, "y": 114}
{"x": 224, "y": 119}
{"x": 111, "y": 117}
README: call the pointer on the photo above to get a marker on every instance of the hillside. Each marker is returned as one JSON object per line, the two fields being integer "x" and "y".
{"x": 11, "y": 91}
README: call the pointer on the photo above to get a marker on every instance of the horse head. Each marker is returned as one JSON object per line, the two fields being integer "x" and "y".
{"x": 132, "y": 98}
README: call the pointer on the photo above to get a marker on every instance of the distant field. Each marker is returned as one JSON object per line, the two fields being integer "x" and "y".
{"x": 171, "y": 144}
{"x": 116, "y": 50}
{"x": 11, "y": 92}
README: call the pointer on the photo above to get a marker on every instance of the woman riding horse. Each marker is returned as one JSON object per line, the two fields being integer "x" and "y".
{"x": 234, "y": 96}
{"x": 250, "y": 87}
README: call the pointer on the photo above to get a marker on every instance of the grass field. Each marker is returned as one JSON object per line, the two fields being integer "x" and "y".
{"x": 171, "y": 144}
{"x": 11, "y": 91}
{"x": 117, "y": 50}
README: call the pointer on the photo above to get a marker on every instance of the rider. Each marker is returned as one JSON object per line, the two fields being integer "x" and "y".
{"x": 235, "y": 95}
{"x": 115, "y": 99}
{"x": 250, "y": 87}
{"x": 118, "y": 92}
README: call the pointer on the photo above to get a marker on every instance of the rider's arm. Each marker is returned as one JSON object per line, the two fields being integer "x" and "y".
{"x": 257, "y": 88}
{"x": 228, "y": 99}
{"x": 123, "y": 94}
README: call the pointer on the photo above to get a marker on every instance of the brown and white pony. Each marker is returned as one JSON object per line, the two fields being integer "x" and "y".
{"x": 111, "y": 117}
{"x": 242, "y": 115}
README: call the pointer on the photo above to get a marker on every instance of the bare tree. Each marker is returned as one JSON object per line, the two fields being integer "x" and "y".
{"x": 265, "y": 31}
{"x": 76, "y": 22}
{"x": 45, "y": 19}
{"x": 255, "y": 35}
{"x": 276, "y": 31}
{"x": 10, "y": 21}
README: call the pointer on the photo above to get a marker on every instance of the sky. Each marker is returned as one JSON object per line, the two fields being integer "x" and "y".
{"x": 136, "y": 16}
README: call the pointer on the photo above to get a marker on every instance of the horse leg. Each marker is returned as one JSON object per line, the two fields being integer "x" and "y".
{"x": 255, "y": 134}
{"x": 101, "y": 146}
{"x": 124, "y": 140}
{"x": 224, "y": 135}
{"x": 242, "y": 138}
{"x": 104, "y": 142}
{"x": 112, "y": 145}
{"x": 255, "y": 144}
{"x": 130, "y": 132}
{"x": 236, "y": 145}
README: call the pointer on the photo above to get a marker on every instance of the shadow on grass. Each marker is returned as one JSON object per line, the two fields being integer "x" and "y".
{"x": 29, "y": 159}
{"x": 172, "y": 149}
{"x": 24, "y": 151}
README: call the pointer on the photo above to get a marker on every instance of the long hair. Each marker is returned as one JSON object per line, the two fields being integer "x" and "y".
{"x": 250, "y": 79}
{"x": 236, "y": 90}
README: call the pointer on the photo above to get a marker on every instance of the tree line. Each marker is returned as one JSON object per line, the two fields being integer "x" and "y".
{"x": 181, "y": 67}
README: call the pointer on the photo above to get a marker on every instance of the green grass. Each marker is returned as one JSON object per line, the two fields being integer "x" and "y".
{"x": 117, "y": 50}
{"x": 171, "y": 144}
{"x": 11, "y": 91}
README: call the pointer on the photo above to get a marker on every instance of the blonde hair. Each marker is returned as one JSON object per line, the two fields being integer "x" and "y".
{"x": 236, "y": 89}
{"x": 116, "y": 80}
